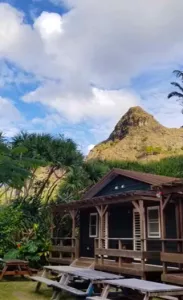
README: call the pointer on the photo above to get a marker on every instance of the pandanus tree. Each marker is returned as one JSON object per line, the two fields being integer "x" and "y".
{"x": 80, "y": 179}
{"x": 13, "y": 172}
{"x": 179, "y": 93}
{"x": 59, "y": 153}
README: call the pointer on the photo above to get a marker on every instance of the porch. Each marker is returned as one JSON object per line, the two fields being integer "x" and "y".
{"x": 172, "y": 240}
{"x": 127, "y": 262}
{"x": 133, "y": 253}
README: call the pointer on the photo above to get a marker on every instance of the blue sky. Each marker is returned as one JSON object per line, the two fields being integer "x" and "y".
{"x": 76, "y": 66}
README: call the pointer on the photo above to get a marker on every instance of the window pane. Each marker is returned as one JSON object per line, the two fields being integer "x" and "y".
{"x": 153, "y": 223}
{"x": 154, "y": 228}
{"x": 93, "y": 219}
{"x": 93, "y": 230}
{"x": 153, "y": 214}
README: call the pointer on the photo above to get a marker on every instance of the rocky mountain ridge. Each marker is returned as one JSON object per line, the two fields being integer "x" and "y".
{"x": 138, "y": 136}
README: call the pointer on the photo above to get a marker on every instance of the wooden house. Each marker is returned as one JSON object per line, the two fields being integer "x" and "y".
{"x": 129, "y": 223}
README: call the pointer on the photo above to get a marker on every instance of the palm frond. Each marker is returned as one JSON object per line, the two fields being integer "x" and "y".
{"x": 175, "y": 94}
{"x": 178, "y": 74}
{"x": 177, "y": 85}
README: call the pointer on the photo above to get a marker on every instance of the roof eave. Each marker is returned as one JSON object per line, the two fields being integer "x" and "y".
{"x": 109, "y": 199}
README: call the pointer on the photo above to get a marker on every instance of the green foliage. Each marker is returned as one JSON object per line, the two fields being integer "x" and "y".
{"x": 179, "y": 94}
{"x": 25, "y": 224}
{"x": 34, "y": 249}
{"x": 10, "y": 224}
{"x": 171, "y": 166}
{"x": 150, "y": 150}
{"x": 79, "y": 179}
{"x": 12, "y": 171}
{"x": 59, "y": 153}
{"x": 25, "y": 231}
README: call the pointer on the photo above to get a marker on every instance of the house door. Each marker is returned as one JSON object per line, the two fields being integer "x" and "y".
{"x": 88, "y": 232}
{"x": 137, "y": 231}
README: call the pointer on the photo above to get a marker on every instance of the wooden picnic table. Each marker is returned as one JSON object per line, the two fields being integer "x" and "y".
{"x": 67, "y": 274}
{"x": 147, "y": 289}
{"x": 15, "y": 267}
{"x": 86, "y": 274}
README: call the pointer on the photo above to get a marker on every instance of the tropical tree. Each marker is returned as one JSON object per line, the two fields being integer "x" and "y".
{"x": 12, "y": 171}
{"x": 179, "y": 93}
{"x": 79, "y": 179}
{"x": 96, "y": 169}
{"x": 59, "y": 153}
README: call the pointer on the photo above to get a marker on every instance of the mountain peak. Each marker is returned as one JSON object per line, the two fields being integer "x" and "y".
{"x": 135, "y": 118}
{"x": 138, "y": 136}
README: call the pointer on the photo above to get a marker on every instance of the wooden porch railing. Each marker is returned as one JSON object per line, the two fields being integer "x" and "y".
{"x": 122, "y": 254}
{"x": 64, "y": 248}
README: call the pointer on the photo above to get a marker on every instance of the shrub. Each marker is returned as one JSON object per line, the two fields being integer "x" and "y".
{"x": 150, "y": 150}
{"x": 10, "y": 225}
{"x": 25, "y": 231}
{"x": 33, "y": 248}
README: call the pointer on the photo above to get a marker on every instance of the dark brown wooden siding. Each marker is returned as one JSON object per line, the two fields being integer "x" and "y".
{"x": 124, "y": 184}
{"x": 170, "y": 224}
{"x": 86, "y": 243}
{"x": 120, "y": 224}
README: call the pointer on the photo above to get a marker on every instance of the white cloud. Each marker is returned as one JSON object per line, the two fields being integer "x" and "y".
{"x": 11, "y": 75}
{"x": 90, "y": 147}
{"x": 102, "y": 43}
{"x": 100, "y": 104}
{"x": 10, "y": 117}
{"x": 49, "y": 122}
{"x": 49, "y": 25}
{"x": 22, "y": 45}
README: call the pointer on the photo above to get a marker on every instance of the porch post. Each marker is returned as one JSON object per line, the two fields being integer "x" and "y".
{"x": 51, "y": 232}
{"x": 52, "y": 226}
{"x": 181, "y": 223}
{"x": 163, "y": 203}
{"x": 177, "y": 214}
{"x": 179, "y": 226}
{"x": 143, "y": 225}
{"x": 74, "y": 243}
{"x": 73, "y": 216}
{"x": 101, "y": 211}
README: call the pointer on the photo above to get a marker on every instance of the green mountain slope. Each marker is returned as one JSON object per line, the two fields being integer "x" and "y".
{"x": 138, "y": 136}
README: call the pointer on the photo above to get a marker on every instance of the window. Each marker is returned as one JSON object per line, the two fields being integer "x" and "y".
{"x": 93, "y": 225}
{"x": 153, "y": 222}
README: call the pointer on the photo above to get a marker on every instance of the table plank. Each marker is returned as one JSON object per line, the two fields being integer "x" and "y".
{"x": 84, "y": 273}
{"x": 15, "y": 267}
{"x": 16, "y": 262}
{"x": 144, "y": 286}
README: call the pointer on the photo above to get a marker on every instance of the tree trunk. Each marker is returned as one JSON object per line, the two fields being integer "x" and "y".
{"x": 45, "y": 182}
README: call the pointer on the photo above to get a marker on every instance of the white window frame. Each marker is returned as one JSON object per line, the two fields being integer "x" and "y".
{"x": 93, "y": 235}
{"x": 148, "y": 229}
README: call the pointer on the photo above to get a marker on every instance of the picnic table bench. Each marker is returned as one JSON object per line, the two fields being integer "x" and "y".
{"x": 147, "y": 289}
{"x": 57, "y": 285}
{"x": 67, "y": 274}
{"x": 15, "y": 267}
